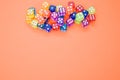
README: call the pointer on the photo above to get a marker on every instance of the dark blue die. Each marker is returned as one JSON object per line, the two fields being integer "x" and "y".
{"x": 52, "y": 8}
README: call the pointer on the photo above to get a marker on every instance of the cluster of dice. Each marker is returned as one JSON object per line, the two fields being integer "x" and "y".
{"x": 51, "y": 17}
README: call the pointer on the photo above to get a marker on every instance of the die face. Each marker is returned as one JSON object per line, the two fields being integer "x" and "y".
{"x": 34, "y": 23}
{"x": 69, "y": 10}
{"x": 51, "y": 21}
{"x": 63, "y": 28}
{"x": 71, "y": 3}
{"x": 45, "y": 5}
{"x": 91, "y": 10}
{"x": 31, "y": 12}
{"x": 60, "y": 21}
{"x": 69, "y": 22}
{"x": 44, "y": 13}
{"x": 91, "y": 17}
{"x": 41, "y": 26}
{"x": 62, "y": 11}
{"x": 28, "y": 20}
{"x": 55, "y": 26}
{"x": 40, "y": 19}
{"x": 48, "y": 27}
{"x": 54, "y": 15}
{"x": 79, "y": 17}
{"x": 85, "y": 13}
{"x": 52, "y": 8}
{"x": 73, "y": 15}
{"x": 79, "y": 8}
{"x": 85, "y": 22}
{"x": 57, "y": 7}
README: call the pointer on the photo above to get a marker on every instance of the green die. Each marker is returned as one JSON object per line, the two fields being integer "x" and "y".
{"x": 79, "y": 17}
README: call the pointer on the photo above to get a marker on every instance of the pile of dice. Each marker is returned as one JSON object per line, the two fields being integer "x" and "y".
{"x": 51, "y": 17}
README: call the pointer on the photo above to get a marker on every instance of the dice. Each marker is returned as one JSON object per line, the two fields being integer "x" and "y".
{"x": 73, "y": 15}
{"x": 57, "y": 7}
{"x": 54, "y": 15}
{"x": 62, "y": 11}
{"x": 79, "y": 8}
{"x": 79, "y": 17}
{"x": 85, "y": 22}
{"x": 52, "y": 8}
{"x": 34, "y": 23}
{"x": 91, "y": 10}
{"x": 40, "y": 19}
{"x": 69, "y": 10}
{"x": 69, "y": 22}
{"x": 55, "y": 26}
{"x": 31, "y": 12}
{"x": 85, "y": 13}
{"x": 47, "y": 27}
{"x": 44, "y": 13}
{"x": 45, "y": 5}
{"x": 63, "y": 28}
{"x": 28, "y": 19}
{"x": 41, "y": 26}
{"x": 72, "y": 4}
{"x": 60, "y": 21}
{"x": 91, "y": 17}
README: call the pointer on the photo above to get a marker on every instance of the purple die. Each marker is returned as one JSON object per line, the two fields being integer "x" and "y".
{"x": 85, "y": 22}
{"x": 54, "y": 15}
{"x": 60, "y": 21}
{"x": 62, "y": 11}
{"x": 69, "y": 22}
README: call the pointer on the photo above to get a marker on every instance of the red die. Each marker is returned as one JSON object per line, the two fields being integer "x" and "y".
{"x": 71, "y": 3}
{"x": 91, "y": 17}
{"x": 55, "y": 26}
{"x": 69, "y": 10}
{"x": 79, "y": 8}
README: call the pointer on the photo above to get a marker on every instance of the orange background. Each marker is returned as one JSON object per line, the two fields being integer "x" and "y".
{"x": 78, "y": 54}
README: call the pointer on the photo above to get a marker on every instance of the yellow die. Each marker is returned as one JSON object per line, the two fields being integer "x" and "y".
{"x": 31, "y": 12}
{"x": 57, "y": 7}
{"x": 34, "y": 23}
{"x": 28, "y": 20}
{"x": 45, "y": 5}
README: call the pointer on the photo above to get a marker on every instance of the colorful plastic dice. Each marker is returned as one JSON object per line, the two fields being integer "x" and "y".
{"x": 52, "y": 17}
{"x": 79, "y": 17}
